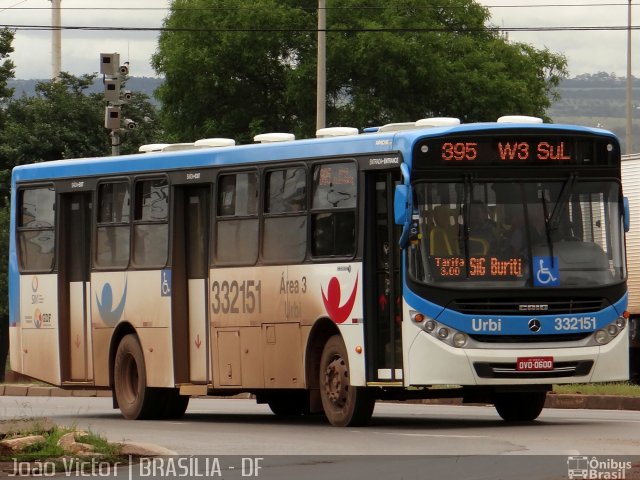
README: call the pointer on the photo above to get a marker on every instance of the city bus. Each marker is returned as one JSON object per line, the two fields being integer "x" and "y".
{"x": 435, "y": 259}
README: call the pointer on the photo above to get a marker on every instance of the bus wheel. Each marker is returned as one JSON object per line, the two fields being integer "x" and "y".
{"x": 174, "y": 404}
{"x": 519, "y": 406}
{"x": 289, "y": 403}
{"x": 135, "y": 399}
{"x": 343, "y": 404}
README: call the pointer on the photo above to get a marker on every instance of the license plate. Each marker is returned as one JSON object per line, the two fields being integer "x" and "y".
{"x": 534, "y": 364}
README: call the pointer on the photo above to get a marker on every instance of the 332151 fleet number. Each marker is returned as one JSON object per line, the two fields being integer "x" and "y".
{"x": 574, "y": 323}
{"x": 236, "y": 296}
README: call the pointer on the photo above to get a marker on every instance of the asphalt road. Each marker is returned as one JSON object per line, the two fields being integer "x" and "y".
{"x": 238, "y": 427}
{"x": 403, "y": 441}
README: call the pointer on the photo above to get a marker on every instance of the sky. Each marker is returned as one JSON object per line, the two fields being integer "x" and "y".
{"x": 586, "y": 51}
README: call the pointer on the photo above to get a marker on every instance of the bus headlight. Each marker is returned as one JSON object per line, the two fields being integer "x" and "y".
{"x": 608, "y": 333}
{"x": 444, "y": 333}
{"x": 601, "y": 337}
{"x": 459, "y": 340}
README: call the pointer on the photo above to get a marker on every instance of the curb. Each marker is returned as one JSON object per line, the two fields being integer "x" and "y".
{"x": 27, "y": 390}
{"x": 596, "y": 402}
{"x": 554, "y": 400}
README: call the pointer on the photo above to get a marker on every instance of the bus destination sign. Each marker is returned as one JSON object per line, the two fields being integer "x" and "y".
{"x": 479, "y": 268}
{"x": 511, "y": 150}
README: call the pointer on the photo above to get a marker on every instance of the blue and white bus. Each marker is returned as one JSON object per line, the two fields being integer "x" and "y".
{"x": 486, "y": 260}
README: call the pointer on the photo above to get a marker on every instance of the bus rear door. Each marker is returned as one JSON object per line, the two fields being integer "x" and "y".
{"x": 74, "y": 287}
{"x": 190, "y": 266}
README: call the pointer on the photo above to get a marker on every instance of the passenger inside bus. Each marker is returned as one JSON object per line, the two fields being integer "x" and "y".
{"x": 482, "y": 229}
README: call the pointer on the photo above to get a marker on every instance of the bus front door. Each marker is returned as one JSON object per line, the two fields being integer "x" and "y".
{"x": 74, "y": 288}
{"x": 190, "y": 268}
{"x": 383, "y": 300}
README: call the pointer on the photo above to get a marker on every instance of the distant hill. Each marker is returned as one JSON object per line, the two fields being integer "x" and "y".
{"x": 598, "y": 100}
{"x": 595, "y": 100}
{"x": 146, "y": 85}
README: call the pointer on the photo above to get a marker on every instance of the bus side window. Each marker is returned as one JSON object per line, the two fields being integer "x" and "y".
{"x": 112, "y": 239}
{"x": 333, "y": 214}
{"x": 151, "y": 227}
{"x": 237, "y": 219}
{"x": 36, "y": 223}
{"x": 285, "y": 211}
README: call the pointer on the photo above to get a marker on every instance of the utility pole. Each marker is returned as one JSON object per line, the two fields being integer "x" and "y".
{"x": 629, "y": 136}
{"x": 56, "y": 39}
{"x": 113, "y": 74}
{"x": 321, "y": 76}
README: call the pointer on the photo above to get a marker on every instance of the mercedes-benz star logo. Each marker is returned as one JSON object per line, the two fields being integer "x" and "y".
{"x": 534, "y": 325}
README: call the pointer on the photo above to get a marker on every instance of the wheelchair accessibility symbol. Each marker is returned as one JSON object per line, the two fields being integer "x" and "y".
{"x": 546, "y": 272}
{"x": 165, "y": 287}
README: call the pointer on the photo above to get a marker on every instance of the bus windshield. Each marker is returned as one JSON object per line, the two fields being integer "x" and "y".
{"x": 517, "y": 234}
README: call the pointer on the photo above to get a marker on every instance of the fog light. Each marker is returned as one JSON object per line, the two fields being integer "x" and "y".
{"x": 621, "y": 322}
{"x": 430, "y": 325}
{"x": 443, "y": 332}
{"x": 612, "y": 330}
{"x": 601, "y": 337}
{"x": 459, "y": 340}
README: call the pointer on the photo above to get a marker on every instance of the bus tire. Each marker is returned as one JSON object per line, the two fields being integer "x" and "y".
{"x": 135, "y": 400}
{"x": 289, "y": 403}
{"x": 175, "y": 404}
{"x": 344, "y": 405}
{"x": 519, "y": 406}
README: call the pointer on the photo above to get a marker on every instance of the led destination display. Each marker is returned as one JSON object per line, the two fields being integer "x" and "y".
{"x": 509, "y": 150}
{"x": 480, "y": 268}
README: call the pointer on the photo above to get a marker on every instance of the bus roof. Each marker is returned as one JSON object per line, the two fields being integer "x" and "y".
{"x": 379, "y": 142}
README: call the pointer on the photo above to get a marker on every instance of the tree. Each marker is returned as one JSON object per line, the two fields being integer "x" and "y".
{"x": 226, "y": 84}
{"x": 4, "y": 287}
{"x": 61, "y": 121}
{"x": 6, "y": 73}
{"x": 235, "y": 70}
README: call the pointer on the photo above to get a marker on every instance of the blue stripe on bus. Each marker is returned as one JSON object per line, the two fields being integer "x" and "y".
{"x": 402, "y": 141}
{"x": 514, "y": 324}
{"x": 195, "y": 158}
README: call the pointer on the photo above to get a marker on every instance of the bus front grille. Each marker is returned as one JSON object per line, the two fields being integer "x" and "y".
{"x": 508, "y": 370}
{"x": 524, "y": 306}
{"x": 561, "y": 337}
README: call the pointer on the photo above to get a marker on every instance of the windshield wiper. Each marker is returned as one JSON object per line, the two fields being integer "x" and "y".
{"x": 466, "y": 219}
{"x": 547, "y": 227}
{"x": 554, "y": 219}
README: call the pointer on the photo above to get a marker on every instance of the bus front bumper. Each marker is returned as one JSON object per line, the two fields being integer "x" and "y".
{"x": 429, "y": 361}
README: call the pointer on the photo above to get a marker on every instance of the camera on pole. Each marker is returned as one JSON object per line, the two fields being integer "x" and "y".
{"x": 130, "y": 124}
{"x": 112, "y": 118}
{"x": 112, "y": 90}
{"x": 113, "y": 74}
{"x": 109, "y": 64}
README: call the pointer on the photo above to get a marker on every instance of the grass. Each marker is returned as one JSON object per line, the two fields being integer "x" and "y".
{"x": 48, "y": 450}
{"x": 619, "y": 388}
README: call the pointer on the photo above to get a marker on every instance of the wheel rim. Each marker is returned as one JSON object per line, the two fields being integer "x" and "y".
{"x": 336, "y": 382}
{"x": 130, "y": 379}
